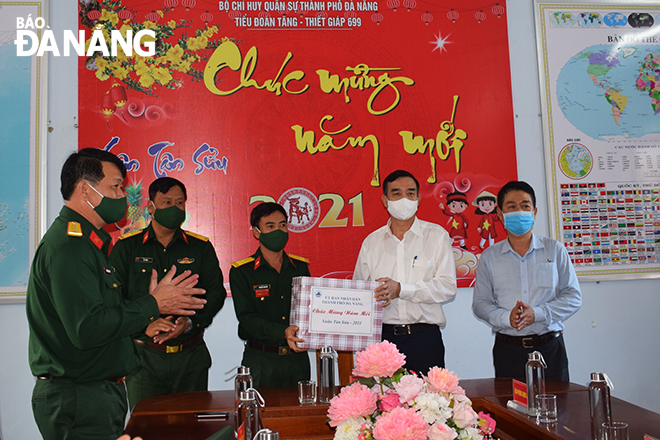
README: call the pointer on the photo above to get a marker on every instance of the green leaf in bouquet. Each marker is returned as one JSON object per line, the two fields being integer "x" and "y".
{"x": 387, "y": 381}
{"x": 396, "y": 377}
{"x": 367, "y": 381}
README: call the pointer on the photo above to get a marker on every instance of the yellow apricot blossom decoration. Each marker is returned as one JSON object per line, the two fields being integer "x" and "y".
{"x": 178, "y": 52}
{"x": 109, "y": 16}
{"x": 197, "y": 43}
{"x": 146, "y": 80}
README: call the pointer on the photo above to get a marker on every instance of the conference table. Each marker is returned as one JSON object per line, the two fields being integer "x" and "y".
{"x": 196, "y": 416}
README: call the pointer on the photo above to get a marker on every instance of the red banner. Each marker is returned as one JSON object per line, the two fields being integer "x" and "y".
{"x": 310, "y": 104}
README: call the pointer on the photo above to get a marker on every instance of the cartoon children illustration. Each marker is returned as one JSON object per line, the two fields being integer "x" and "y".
{"x": 486, "y": 203}
{"x": 458, "y": 222}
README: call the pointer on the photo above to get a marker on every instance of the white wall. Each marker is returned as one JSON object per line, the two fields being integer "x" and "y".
{"x": 614, "y": 331}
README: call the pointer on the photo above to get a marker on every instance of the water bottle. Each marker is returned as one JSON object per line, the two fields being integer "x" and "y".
{"x": 327, "y": 362}
{"x": 248, "y": 420}
{"x": 267, "y": 434}
{"x": 535, "y": 381}
{"x": 599, "y": 403}
{"x": 243, "y": 381}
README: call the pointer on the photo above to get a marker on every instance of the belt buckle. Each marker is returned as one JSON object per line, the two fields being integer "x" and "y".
{"x": 172, "y": 349}
{"x": 528, "y": 342}
{"x": 400, "y": 330}
{"x": 283, "y": 350}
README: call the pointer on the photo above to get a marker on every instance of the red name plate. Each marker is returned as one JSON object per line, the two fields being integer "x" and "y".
{"x": 520, "y": 392}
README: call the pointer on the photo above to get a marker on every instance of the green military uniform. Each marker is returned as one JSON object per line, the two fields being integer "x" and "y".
{"x": 262, "y": 300}
{"x": 80, "y": 326}
{"x": 181, "y": 364}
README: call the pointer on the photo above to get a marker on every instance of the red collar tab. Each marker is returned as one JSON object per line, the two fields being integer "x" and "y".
{"x": 257, "y": 262}
{"x": 96, "y": 240}
{"x": 184, "y": 236}
{"x": 145, "y": 237}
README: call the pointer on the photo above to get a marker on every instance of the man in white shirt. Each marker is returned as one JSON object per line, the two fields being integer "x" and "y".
{"x": 414, "y": 261}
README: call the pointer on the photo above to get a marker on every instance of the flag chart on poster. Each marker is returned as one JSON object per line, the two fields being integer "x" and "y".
{"x": 599, "y": 65}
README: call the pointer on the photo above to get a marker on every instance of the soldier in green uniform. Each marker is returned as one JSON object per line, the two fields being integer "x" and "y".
{"x": 261, "y": 288}
{"x": 80, "y": 348}
{"x": 174, "y": 356}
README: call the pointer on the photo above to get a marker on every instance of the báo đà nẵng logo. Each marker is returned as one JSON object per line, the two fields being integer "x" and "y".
{"x": 28, "y": 29}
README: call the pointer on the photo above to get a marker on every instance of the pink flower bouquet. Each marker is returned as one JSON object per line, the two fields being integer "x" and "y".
{"x": 389, "y": 403}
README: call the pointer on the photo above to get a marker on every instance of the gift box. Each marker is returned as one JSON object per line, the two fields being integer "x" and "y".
{"x": 340, "y": 313}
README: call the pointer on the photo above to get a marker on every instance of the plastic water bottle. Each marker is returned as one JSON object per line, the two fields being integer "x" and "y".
{"x": 535, "y": 381}
{"x": 327, "y": 362}
{"x": 599, "y": 403}
{"x": 243, "y": 381}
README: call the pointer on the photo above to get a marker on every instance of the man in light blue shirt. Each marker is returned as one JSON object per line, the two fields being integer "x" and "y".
{"x": 525, "y": 288}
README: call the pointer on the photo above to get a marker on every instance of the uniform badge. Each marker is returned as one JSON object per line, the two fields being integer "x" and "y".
{"x": 261, "y": 290}
{"x": 144, "y": 260}
{"x": 108, "y": 271}
{"x": 185, "y": 260}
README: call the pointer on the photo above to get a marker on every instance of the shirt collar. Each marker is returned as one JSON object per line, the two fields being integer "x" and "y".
{"x": 536, "y": 243}
{"x": 260, "y": 261}
{"x": 416, "y": 228}
{"x": 151, "y": 235}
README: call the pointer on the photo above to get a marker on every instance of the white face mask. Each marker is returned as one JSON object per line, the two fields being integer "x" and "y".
{"x": 402, "y": 209}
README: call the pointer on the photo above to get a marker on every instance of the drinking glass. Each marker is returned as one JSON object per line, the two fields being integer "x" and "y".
{"x": 306, "y": 392}
{"x": 547, "y": 412}
{"x": 615, "y": 431}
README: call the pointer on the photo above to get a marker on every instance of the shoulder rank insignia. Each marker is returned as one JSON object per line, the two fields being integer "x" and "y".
{"x": 197, "y": 236}
{"x": 296, "y": 257}
{"x": 74, "y": 229}
{"x": 240, "y": 263}
{"x": 130, "y": 234}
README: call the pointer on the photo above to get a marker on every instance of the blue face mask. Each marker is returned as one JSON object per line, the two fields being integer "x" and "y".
{"x": 518, "y": 222}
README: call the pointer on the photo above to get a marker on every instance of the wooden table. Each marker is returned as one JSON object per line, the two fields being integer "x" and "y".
{"x": 195, "y": 416}
{"x": 573, "y": 419}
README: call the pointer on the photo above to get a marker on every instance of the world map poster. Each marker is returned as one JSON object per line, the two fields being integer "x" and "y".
{"x": 310, "y": 104}
{"x": 600, "y": 83}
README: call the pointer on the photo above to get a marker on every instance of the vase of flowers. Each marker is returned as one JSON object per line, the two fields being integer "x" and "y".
{"x": 387, "y": 402}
